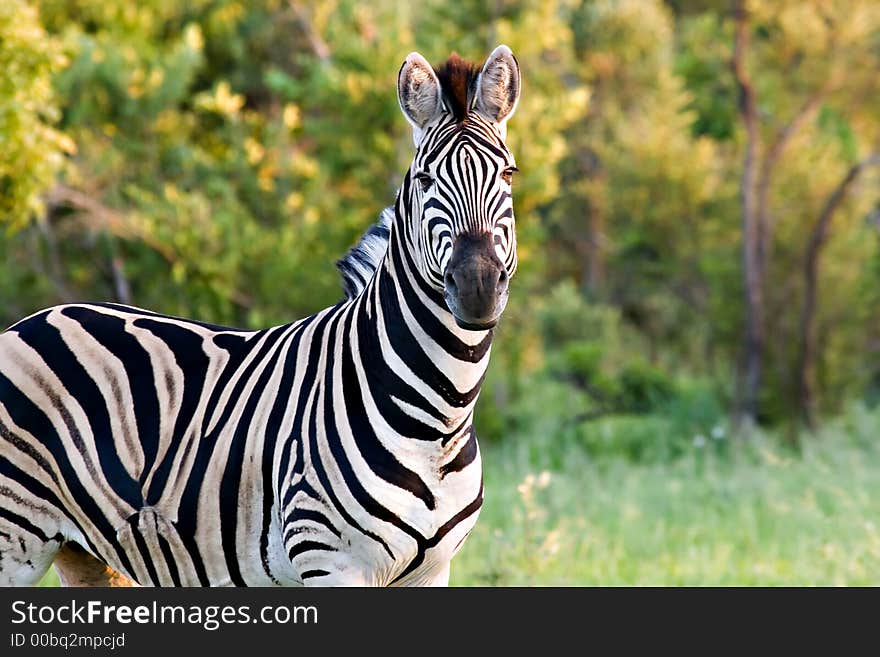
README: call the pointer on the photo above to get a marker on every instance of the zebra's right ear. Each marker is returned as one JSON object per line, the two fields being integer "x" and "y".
{"x": 418, "y": 92}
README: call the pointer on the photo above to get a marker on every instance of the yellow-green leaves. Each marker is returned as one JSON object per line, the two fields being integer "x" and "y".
{"x": 32, "y": 149}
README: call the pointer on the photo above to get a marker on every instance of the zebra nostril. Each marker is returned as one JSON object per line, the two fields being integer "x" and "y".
{"x": 449, "y": 281}
{"x": 502, "y": 281}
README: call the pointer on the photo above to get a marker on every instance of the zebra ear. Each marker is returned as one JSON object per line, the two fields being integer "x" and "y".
{"x": 498, "y": 86}
{"x": 418, "y": 92}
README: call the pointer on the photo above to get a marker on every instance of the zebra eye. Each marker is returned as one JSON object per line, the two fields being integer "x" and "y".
{"x": 424, "y": 180}
{"x": 507, "y": 174}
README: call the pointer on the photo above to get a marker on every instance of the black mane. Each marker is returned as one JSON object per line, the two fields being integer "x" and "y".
{"x": 458, "y": 78}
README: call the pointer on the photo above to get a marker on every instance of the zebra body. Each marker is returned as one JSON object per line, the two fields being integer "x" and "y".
{"x": 335, "y": 450}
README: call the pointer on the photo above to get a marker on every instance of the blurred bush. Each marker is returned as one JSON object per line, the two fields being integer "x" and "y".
{"x": 32, "y": 150}
{"x": 588, "y": 384}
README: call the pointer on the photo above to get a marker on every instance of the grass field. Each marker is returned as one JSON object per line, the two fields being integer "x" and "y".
{"x": 722, "y": 513}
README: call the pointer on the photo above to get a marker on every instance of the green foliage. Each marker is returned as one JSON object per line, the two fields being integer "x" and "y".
{"x": 588, "y": 372}
{"x": 32, "y": 150}
{"x": 703, "y": 63}
{"x": 644, "y": 388}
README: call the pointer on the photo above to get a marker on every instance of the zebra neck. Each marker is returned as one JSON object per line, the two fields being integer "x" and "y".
{"x": 419, "y": 356}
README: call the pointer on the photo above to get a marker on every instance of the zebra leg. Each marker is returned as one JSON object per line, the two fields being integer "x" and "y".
{"x": 438, "y": 578}
{"x": 24, "y": 556}
{"x": 76, "y": 567}
{"x": 441, "y": 578}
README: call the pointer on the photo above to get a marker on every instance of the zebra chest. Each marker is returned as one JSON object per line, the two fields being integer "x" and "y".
{"x": 376, "y": 533}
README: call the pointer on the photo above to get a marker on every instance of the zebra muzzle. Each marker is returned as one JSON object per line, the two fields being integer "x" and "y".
{"x": 476, "y": 282}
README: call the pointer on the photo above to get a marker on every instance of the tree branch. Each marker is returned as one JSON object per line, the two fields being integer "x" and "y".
{"x": 98, "y": 216}
{"x": 768, "y": 167}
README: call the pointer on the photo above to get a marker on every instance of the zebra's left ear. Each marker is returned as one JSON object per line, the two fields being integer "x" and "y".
{"x": 498, "y": 87}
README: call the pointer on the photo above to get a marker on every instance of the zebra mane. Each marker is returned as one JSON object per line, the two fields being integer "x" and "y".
{"x": 360, "y": 263}
{"x": 457, "y": 78}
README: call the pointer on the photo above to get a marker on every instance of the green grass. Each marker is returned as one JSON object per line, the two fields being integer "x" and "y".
{"x": 720, "y": 514}
{"x": 49, "y": 579}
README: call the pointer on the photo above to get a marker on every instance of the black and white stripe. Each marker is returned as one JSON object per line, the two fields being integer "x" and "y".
{"x": 335, "y": 450}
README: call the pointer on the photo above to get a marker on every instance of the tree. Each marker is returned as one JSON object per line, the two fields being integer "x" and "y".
{"x": 637, "y": 179}
{"x": 808, "y": 343}
{"x": 810, "y": 57}
{"x": 753, "y": 340}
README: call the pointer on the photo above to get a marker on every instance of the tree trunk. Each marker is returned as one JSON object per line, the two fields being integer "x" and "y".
{"x": 808, "y": 347}
{"x": 591, "y": 244}
{"x": 750, "y": 371}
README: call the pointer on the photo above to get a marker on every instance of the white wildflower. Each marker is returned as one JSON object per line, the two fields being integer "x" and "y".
{"x": 525, "y": 488}
{"x": 543, "y": 480}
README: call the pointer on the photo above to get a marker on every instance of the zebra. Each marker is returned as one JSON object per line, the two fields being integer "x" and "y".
{"x": 142, "y": 449}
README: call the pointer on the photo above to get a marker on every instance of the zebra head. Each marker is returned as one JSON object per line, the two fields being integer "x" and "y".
{"x": 457, "y": 192}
